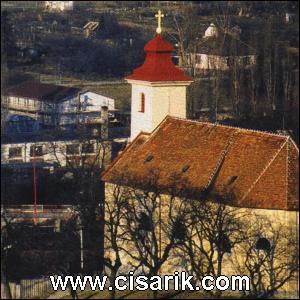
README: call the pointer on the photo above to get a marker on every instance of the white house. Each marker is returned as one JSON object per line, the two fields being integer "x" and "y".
{"x": 54, "y": 105}
{"x": 88, "y": 103}
{"x": 60, "y": 151}
{"x": 216, "y": 50}
{"x": 59, "y": 6}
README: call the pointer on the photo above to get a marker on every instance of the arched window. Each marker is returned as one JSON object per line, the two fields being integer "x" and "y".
{"x": 142, "y": 104}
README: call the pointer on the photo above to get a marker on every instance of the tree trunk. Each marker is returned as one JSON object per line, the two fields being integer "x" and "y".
{"x": 219, "y": 272}
{"x": 112, "y": 293}
{"x": 7, "y": 292}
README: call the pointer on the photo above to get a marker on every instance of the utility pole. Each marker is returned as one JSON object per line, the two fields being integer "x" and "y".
{"x": 34, "y": 185}
{"x": 80, "y": 225}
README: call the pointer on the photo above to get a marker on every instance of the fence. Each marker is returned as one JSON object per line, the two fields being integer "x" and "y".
{"x": 35, "y": 288}
{"x": 30, "y": 288}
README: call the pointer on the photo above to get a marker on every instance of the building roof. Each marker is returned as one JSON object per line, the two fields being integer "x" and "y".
{"x": 158, "y": 65}
{"x": 91, "y": 25}
{"x": 252, "y": 169}
{"x": 42, "y": 91}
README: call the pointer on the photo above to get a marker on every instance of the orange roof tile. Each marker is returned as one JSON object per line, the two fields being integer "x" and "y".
{"x": 256, "y": 169}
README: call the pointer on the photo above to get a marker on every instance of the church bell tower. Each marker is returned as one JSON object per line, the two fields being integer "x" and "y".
{"x": 158, "y": 86}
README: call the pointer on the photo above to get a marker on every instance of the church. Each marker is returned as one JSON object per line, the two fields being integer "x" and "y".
{"x": 259, "y": 171}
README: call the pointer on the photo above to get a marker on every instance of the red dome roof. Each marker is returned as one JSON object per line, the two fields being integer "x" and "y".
{"x": 158, "y": 65}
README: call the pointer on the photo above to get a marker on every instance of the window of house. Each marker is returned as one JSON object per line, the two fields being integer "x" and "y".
{"x": 72, "y": 149}
{"x": 142, "y": 103}
{"x": 15, "y": 152}
{"x": 88, "y": 148}
{"x": 36, "y": 150}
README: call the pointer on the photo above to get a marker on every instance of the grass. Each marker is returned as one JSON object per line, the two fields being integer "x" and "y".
{"x": 121, "y": 92}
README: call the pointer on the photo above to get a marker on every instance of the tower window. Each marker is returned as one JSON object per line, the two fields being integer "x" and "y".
{"x": 142, "y": 104}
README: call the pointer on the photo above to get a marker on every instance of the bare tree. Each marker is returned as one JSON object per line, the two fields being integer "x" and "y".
{"x": 83, "y": 160}
{"x": 213, "y": 230}
{"x": 5, "y": 247}
{"x": 151, "y": 226}
{"x": 269, "y": 257}
{"x": 114, "y": 218}
{"x": 287, "y": 81}
{"x": 269, "y": 63}
{"x": 184, "y": 31}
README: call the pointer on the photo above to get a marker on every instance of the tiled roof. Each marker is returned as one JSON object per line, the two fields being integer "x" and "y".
{"x": 254, "y": 169}
{"x": 42, "y": 91}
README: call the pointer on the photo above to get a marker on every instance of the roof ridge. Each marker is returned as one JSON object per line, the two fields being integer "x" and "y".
{"x": 265, "y": 169}
{"x": 222, "y": 158}
{"x": 155, "y": 130}
{"x": 294, "y": 143}
{"x": 262, "y": 132}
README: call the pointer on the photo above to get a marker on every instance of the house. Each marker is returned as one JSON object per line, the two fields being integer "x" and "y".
{"x": 59, "y": 6}
{"x": 54, "y": 105}
{"x": 51, "y": 151}
{"x": 255, "y": 171}
{"x": 217, "y": 50}
{"x": 90, "y": 28}
{"x": 289, "y": 18}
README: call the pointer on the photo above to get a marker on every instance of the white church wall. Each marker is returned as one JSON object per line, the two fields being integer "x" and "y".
{"x": 141, "y": 121}
{"x": 168, "y": 100}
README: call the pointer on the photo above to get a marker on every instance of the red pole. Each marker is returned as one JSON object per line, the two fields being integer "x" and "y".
{"x": 34, "y": 186}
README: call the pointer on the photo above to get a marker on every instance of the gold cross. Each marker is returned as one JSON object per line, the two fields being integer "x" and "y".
{"x": 159, "y": 16}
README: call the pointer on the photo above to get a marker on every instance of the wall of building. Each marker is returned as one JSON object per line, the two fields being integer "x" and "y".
{"x": 64, "y": 112}
{"x": 285, "y": 222}
{"x": 216, "y": 62}
{"x": 59, "y": 5}
{"x": 56, "y": 152}
{"x": 90, "y": 107}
